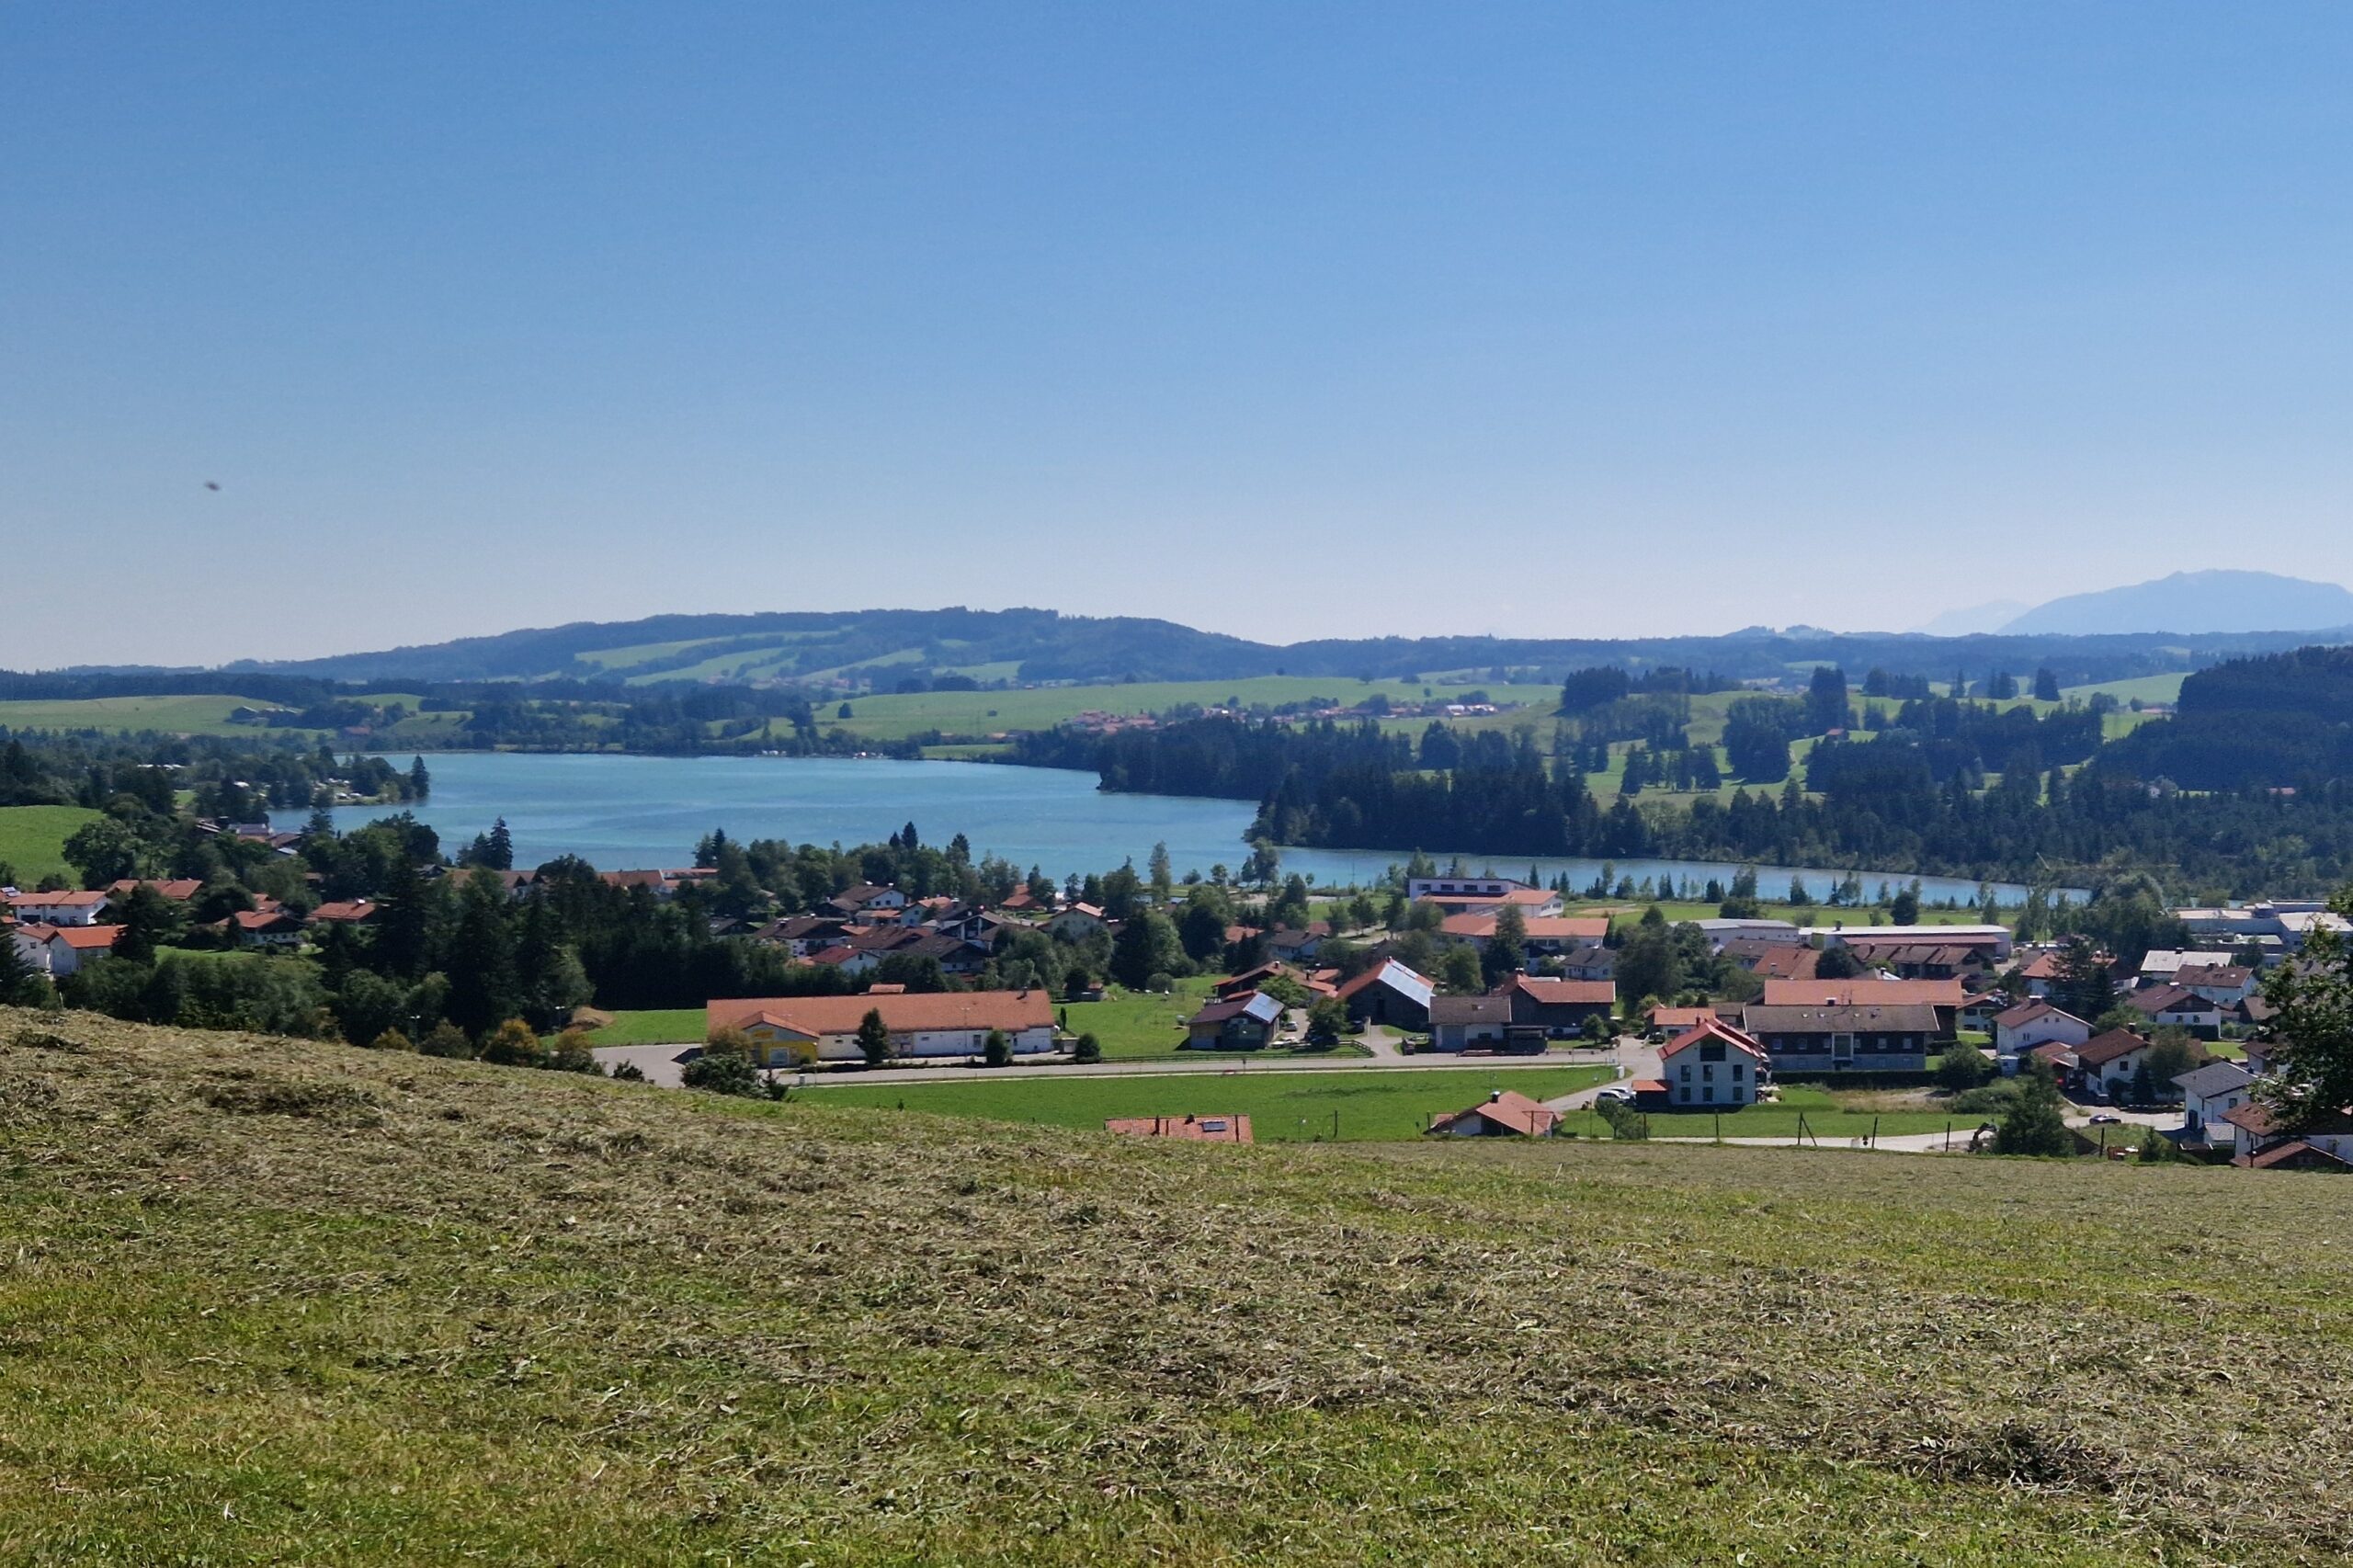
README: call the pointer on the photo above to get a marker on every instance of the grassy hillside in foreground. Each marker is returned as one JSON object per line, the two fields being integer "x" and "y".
{"x": 264, "y": 1301}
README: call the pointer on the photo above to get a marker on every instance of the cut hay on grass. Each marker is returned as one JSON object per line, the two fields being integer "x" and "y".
{"x": 273, "y": 1301}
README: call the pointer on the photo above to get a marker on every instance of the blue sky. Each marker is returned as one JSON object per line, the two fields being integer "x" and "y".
{"x": 1289, "y": 321}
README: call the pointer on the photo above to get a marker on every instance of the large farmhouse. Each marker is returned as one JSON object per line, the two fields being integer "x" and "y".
{"x": 794, "y": 1031}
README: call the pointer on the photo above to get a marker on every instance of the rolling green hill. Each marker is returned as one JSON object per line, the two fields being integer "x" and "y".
{"x": 268, "y": 1301}
{"x": 1033, "y": 646}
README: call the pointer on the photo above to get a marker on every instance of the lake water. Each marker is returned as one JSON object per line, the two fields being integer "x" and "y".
{"x": 631, "y": 812}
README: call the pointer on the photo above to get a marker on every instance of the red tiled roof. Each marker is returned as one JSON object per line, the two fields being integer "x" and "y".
{"x": 2101, "y": 1049}
{"x": 178, "y": 889}
{"x": 1712, "y": 1028}
{"x": 1554, "y": 993}
{"x": 83, "y": 938}
{"x": 74, "y": 899}
{"x": 1666, "y": 1018}
{"x": 927, "y": 1011}
{"x": 1506, "y": 1109}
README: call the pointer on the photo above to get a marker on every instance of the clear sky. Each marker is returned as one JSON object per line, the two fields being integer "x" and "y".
{"x": 1286, "y": 320}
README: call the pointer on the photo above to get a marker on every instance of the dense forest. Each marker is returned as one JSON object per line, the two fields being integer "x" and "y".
{"x": 2285, "y": 722}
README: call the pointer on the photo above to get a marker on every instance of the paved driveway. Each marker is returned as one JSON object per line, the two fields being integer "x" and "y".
{"x": 1632, "y": 1056}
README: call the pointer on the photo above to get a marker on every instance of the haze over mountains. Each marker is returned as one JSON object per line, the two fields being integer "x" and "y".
{"x": 2195, "y": 602}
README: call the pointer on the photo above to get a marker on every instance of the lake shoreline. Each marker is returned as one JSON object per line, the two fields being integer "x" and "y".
{"x": 625, "y": 810}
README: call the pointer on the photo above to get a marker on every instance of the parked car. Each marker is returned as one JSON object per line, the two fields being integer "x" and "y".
{"x": 1614, "y": 1095}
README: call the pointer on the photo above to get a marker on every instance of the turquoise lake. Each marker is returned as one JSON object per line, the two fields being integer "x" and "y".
{"x": 626, "y": 812}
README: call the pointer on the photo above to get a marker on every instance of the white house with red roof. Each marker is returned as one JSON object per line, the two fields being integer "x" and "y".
{"x": 58, "y": 950}
{"x": 74, "y": 908}
{"x": 2030, "y": 1024}
{"x": 1713, "y": 1064}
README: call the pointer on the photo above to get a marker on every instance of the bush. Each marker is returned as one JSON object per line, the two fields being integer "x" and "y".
{"x": 1088, "y": 1051}
{"x": 514, "y": 1044}
{"x": 721, "y": 1072}
{"x": 1987, "y": 1100}
{"x": 628, "y": 1073}
{"x": 1160, "y": 982}
{"x": 996, "y": 1050}
{"x": 391, "y": 1040}
{"x": 573, "y": 1053}
{"x": 447, "y": 1039}
{"x": 1962, "y": 1068}
{"x": 1627, "y": 1125}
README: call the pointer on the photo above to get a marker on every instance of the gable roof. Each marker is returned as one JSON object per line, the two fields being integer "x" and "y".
{"x": 1470, "y": 1010}
{"x": 82, "y": 939}
{"x": 1911, "y": 1018}
{"x": 69, "y": 899}
{"x": 1255, "y": 1004}
{"x": 2026, "y": 1013}
{"x": 1552, "y": 993}
{"x": 178, "y": 889}
{"x": 1666, "y": 1018}
{"x": 2214, "y": 1078}
{"x": 1712, "y": 1029}
{"x": 1862, "y": 991}
{"x": 2101, "y": 1049}
{"x": 1396, "y": 977}
{"x": 1506, "y": 1109}
{"x": 1011, "y": 1011}
{"x": 2155, "y": 999}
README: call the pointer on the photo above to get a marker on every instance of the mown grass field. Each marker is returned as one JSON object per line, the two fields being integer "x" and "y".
{"x": 1377, "y": 1105}
{"x": 894, "y": 717}
{"x": 32, "y": 838}
{"x": 652, "y": 1026}
{"x": 270, "y": 1302}
{"x": 166, "y": 715}
{"x": 1135, "y": 1025}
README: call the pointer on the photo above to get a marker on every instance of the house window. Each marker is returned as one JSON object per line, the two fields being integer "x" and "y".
{"x": 1709, "y": 1093}
{"x": 1686, "y": 1075}
{"x": 1736, "y": 1072}
{"x": 1686, "y": 1093}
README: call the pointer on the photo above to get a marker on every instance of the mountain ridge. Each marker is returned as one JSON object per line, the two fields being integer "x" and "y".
{"x": 2193, "y": 604}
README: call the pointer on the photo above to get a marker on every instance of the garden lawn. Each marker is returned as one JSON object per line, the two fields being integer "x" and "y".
{"x": 1833, "y": 1117}
{"x": 1380, "y": 1105}
{"x": 652, "y": 1026}
{"x": 1135, "y": 1026}
{"x": 32, "y": 838}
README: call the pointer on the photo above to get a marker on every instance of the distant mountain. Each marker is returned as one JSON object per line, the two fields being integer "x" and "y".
{"x": 1976, "y": 620}
{"x": 887, "y": 649}
{"x": 2194, "y": 602}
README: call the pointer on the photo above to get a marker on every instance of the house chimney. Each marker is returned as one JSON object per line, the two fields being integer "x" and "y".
{"x": 1494, "y": 1096}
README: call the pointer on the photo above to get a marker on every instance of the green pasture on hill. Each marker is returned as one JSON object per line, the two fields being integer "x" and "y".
{"x": 32, "y": 839}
